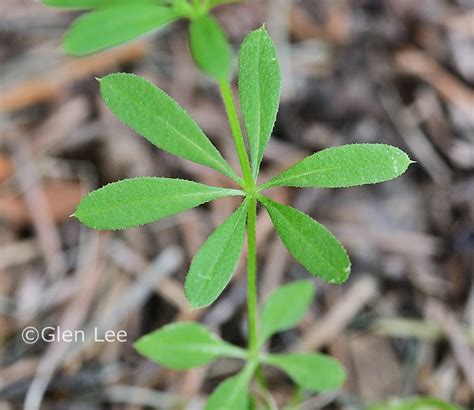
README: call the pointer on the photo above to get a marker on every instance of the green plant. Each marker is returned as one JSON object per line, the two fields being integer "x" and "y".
{"x": 113, "y": 22}
{"x": 137, "y": 201}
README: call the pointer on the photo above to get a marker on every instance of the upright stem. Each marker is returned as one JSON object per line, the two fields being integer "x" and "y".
{"x": 252, "y": 277}
{"x": 250, "y": 187}
{"x": 233, "y": 117}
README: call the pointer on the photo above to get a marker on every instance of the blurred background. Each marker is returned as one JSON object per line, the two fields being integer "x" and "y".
{"x": 391, "y": 71}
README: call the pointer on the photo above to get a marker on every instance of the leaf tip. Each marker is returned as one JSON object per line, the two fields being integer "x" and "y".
{"x": 346, "y": 273}
{"x": 141, "y": 343}
{"x": 262, "y": 30}
{"x": 195, "y": 303}
{"x": 71, "y": 47}
{"x": 196, "y": 306}
{"x": 192, "y": 302}
{"x": 138, "y": 345}
{"x": 339, "y": 279}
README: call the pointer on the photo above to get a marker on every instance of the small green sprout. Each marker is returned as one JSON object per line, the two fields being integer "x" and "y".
{"x": 132, "y": 202}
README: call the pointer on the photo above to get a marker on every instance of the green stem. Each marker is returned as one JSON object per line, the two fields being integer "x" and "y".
{"x": 252, "y": 277}
{"x": 260, "y": 376}
{"x": 250, "y": 188}
{"x": 237, "y": 135}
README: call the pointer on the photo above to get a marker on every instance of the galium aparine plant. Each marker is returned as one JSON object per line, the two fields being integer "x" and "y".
{"x": 112, "y": 22}
{"x": 137, "y": 201}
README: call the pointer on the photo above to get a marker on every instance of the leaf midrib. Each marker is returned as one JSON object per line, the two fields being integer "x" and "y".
{"x": 137, "y": 202}
{"x": 223, "y": 251}
{"x": 205, "y": 348}
{"x": 216, "y": 162}
{"x": 302, "y": 236}
{"x": 154, "y": 22}
{"x": 287, "y": 179}
{"x": 259, "y": 104}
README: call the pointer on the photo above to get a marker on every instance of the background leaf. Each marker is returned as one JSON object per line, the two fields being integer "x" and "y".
{"x": 210, "y": 48}
{"x": 311, "y": 371}
{"x": 232, "y": 393}
{"x": 415, "y": 403}
{"x": 109, "y": 27}
{"x": 160, "y": 119}
{"x": 259, "y": 91}
{"x": 95, "y": 4}
{"x": 345, "y": 166}
{"x": 137, "y": 201}
{"x": 286, "y": 306}
{"x": 215, "y": 3}
{"x": 309, "y": 242}
{"x": 212, "y": 267}
{"x": 185, "y": 345}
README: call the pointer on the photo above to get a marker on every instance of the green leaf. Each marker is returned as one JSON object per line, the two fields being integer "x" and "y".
{"x": 309, "y": 242}
{"x": 310, "y": 371}
{"x": 215, "y": 3}
{"x": 415, "y": 403}
{"x": 96, "y": 4}
{"x": 137, "y": 201}
{"x": 185, "y": 345}
{"x": 109, "y": 27}
{"x": 212, "y": 267}
{"x": 210, "y": 48}
{"x": 286, "y": 306}
{"x": 232, "y": 393}
{"x": 345, "y": 166}
{"x": 161, "y": 120}
{"x": 259, "y": 91}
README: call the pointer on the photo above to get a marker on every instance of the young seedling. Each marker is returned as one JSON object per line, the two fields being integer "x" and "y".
{"x": 113, "y": 22}
{"x": 132, "y": 202}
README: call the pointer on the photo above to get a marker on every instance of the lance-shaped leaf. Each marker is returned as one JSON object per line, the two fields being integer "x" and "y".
{"x": 209, "y": 47}
{"x": 345, "y": 166}
{"x": 161, "y": 120}
{"x": 97, "y": 4}
{"x": 232, "y": 394}
{"x": 309, "y": 242}
{"x": 185, "y": 345}
{"x": 212, "y": 267}
{"x": 286, "y": 306}
{"x": 137, "y": 201}
{"x": 259, "y": 91}
{"x": 109, "y": 27}
{"x": 310, "y": 371}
